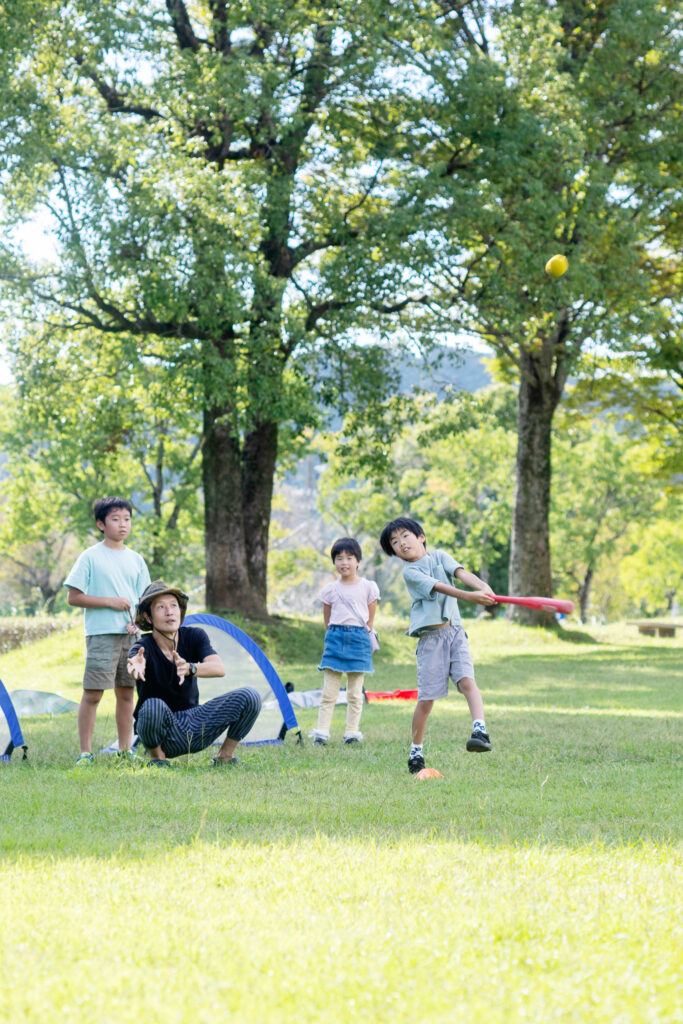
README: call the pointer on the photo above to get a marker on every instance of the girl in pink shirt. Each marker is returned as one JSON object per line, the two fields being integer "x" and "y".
{"x": 349, "y": 606}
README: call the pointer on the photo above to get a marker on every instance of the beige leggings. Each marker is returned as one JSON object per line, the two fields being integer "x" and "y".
{"x": 354, "y": 699}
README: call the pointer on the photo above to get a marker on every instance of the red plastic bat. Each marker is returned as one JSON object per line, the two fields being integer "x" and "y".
{"x": 546, "y": 604}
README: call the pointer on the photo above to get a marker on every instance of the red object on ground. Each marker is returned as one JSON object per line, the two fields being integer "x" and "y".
{"x": 429, "y": 773}
{"x": 378, "y": 695}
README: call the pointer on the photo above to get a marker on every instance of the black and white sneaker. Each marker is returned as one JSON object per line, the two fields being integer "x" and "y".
{"x": 319, "y": 738}
{"x": 479, "y": 741}
{"x": 416, "y": 763}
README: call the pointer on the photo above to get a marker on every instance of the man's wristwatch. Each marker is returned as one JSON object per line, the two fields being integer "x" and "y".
{"x": 193, "y": 670}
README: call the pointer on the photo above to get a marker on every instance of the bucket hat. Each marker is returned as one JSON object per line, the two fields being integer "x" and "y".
{"x": 155, "y": 589}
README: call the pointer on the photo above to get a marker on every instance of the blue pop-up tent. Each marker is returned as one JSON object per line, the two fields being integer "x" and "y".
{"x": 246, "y": 665}
{"x": 10, "y": 730}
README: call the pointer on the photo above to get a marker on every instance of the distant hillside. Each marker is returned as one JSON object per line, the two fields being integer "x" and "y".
{"x": 462, "y": 369}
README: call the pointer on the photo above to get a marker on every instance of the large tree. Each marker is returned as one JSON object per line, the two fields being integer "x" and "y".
{"x": 226, "y": 196}
{"x": 560, "y": 133}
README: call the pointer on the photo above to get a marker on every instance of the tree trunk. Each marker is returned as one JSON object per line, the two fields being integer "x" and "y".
{"x": 530, "y": 541}
{"x": 259, "y": 461}
{"x": 585, "y": 594}
{"x": 238, "y": 490}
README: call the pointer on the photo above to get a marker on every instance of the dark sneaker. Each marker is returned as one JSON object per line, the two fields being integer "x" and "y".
{"x": 416, "y": 763}
{"x": 479, "y": 741}
{"x": 158, "y": 762}
{"x": 319, "y": 737}
{"x": 230, "y": 762}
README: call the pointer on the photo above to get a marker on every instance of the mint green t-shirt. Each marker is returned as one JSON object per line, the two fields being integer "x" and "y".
{"x": 108, "y": 572}
{"x": 429, "y": 607}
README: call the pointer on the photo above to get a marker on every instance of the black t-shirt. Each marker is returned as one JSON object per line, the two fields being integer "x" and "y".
{"x": 161, "y": 679}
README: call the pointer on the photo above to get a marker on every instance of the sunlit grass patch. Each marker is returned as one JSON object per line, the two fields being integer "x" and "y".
{"x": 536, "y": 883}
{"x": 317, "y": 929}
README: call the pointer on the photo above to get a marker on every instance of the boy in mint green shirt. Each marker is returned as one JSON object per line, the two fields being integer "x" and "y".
{"x": 107, "y": 581}
{"x": 442, "y": 649}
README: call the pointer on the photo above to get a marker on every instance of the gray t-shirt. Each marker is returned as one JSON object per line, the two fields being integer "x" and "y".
{"x": 429, "y": 607}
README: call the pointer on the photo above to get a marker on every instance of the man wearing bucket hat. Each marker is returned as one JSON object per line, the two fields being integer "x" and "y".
{"x": 166, "y": 663}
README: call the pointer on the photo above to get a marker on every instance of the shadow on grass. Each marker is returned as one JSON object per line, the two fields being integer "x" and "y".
{"x": 577, "y": 636}
{"x": 554, "y": 779}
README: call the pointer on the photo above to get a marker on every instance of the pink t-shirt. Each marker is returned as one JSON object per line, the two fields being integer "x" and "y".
{"x": 358, "y": 595}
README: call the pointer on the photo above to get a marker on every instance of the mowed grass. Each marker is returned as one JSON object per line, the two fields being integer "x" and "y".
{"x": 540, "y": 882}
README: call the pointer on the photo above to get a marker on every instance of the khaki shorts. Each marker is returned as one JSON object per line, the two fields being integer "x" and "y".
{"x": 442, "y": 653}
{"x": 106, "y": 657}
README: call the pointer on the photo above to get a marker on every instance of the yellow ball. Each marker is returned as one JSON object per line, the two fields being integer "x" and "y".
{"x": 557, "y": 265}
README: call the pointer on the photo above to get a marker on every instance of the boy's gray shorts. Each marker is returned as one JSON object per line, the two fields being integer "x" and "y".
{"x": 106, "y": 657}
{"x": 442, "y": 654}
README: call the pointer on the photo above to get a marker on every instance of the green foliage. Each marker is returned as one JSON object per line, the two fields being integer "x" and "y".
{"x": 535, "y": 153}
{"x": 652, "y": 571}
{"x": 291, "y": 570}
{"x": 641, "y": 392}
{"x": 606, "y": 489}
{"x": 185, "y": 189}
{"x": 85, "y": 421}
{"x": 38, "y": 545}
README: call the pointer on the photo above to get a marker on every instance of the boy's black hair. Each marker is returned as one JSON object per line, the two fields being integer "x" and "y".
{"x": 346, "y": 545}
{"x": 402, "y": 523}
{"x": 103, "y": 506}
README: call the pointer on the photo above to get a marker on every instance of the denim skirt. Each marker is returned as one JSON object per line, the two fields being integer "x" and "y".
{"x": 347, "y": 649}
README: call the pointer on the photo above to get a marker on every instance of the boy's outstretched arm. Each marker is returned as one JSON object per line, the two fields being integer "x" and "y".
{"x": 481, "y": 592}
{"x": 470, "y": 579}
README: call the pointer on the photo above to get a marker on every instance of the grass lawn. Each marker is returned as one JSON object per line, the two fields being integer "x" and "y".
{"x": 540, "y": 882}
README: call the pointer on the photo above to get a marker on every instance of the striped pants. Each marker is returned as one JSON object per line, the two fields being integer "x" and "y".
{"x": 186, "y": 732}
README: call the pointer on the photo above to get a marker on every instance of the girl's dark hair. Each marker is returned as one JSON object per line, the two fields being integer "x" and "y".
{"x": 103, "y": 506}
{"x": 346, "y": 545}
{"x": 402, "y": 523}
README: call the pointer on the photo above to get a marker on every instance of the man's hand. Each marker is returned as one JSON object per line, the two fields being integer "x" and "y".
{"x": 136, "y": 665}
{"x": 485, "y": 597}
{"x": 182, "y": 667}
{"x": 119, "y": 604}
{"x": 132, "y": 629}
